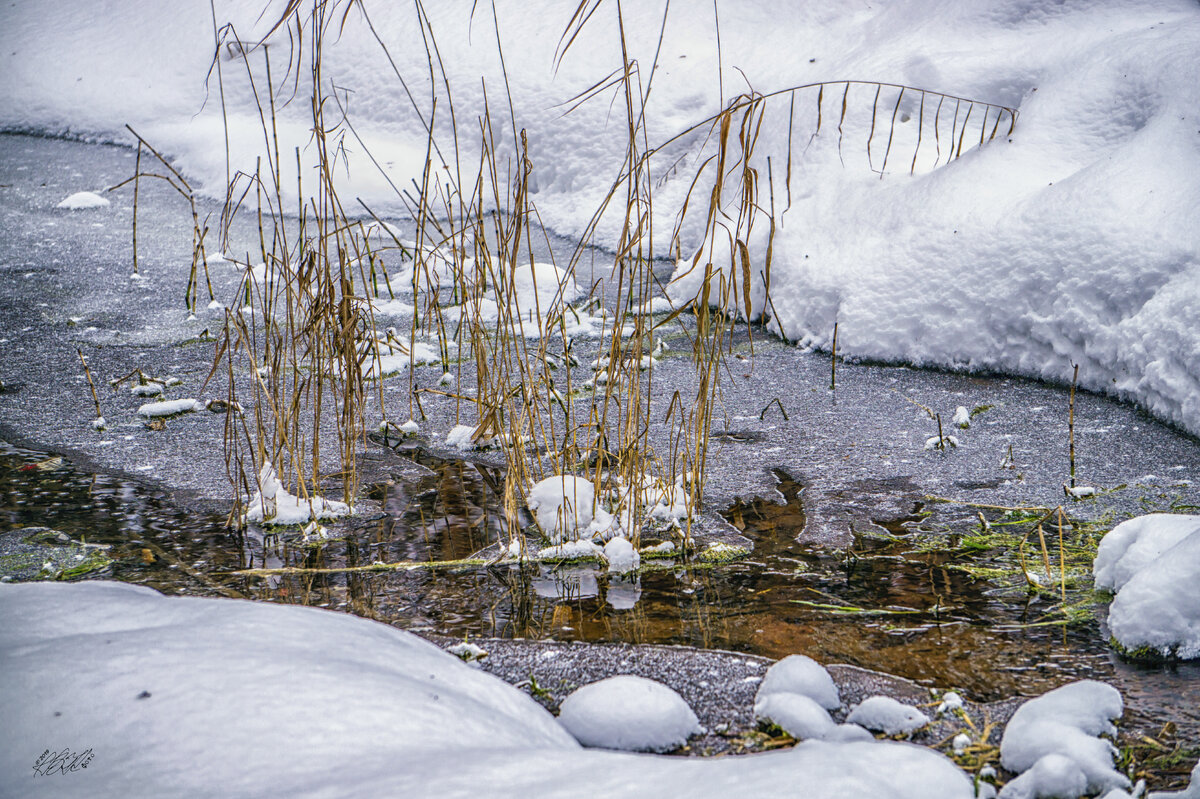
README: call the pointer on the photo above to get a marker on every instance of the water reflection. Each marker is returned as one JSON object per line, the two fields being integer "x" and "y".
{"x": 885, "y": 605}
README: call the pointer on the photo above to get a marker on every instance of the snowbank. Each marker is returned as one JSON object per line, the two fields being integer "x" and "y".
{"x": 1070, "y": 242}
{"x": 216, "y": 697}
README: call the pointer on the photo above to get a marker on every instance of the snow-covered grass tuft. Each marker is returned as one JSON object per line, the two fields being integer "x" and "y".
{"x": 273, "y": 504}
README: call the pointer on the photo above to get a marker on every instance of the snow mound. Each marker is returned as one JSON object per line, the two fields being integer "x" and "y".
{"x": 804, "y": 719}
{"x": 1153, "y": 564}
{"x": 630, "y": 713}
{"x": 567, "y": 509}
{"x": 170, "y": 407}
{"x": 1051, "y": 776}
{"x": 1134, "y": 544}
{"x": 886, "y": 715}
{"x": 272, "y": 504}
{"x": 622, "y": 557}
{"x": 81, "y": 200}
{"x": 800, "y": 674}
{"x": 1065, "y": 722}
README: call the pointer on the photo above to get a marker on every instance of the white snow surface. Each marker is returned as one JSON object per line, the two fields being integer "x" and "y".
{"x": 1069, "y": 242}
{"x": 170, "y": 407}
{"x": 621, "y": 555}
{"x": 1052, "y": 775}
{"x": 804, "y": 719}
{"x": 258, "y": 699}
{"x": 800, "y": 674}
{"x": 1066, "y": 722}
{"x": 630, "y": 713}
{"x": 1136, "y": 543}
{"x": 1153, "y": 564}
{"x": 567, "y": 509}
{"x": 81, "y": 200}
{"x": 886, "y": 715}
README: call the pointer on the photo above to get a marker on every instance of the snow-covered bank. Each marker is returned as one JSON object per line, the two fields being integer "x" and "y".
{"x": 208, "y": 697}
{"x": 1070, "y": 243}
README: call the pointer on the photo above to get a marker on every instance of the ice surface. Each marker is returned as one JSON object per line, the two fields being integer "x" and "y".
{"x": 1065, "y": 722}
{"x": 886, "y": 715}
{"x": 83, "y": 199}
{"x": 630, "y": 713}
{"x": 800, "y": 674}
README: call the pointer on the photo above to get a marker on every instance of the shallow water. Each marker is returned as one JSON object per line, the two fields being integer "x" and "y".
{"x": 891, "y": 604}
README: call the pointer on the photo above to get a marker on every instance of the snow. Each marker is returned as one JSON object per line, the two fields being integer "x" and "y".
{"x": 571, "y": 550}
{"x": 630, "y": 713}
{"x": 567, "y": 509}
{"x": 800, "y": 674}
{"x": 170, "y": 407}
{"x": 1051, "y": 776}
{"x": 463, "y": 437}
{"x": 962, "y": 417}
{"x": 1153, "y": 564}
{"x": 622, "y": 557}
{"x": 1065, "y": 722}
{"x": 1134, "y": 544}
{"x": 1070, "y": 242}
{"x": 886, "y": 715}
{"x": 951, "y": 701}
{"x": 272, "y": 504}
{"x": 81, "y": 200}
{"x": 804, "y": 719}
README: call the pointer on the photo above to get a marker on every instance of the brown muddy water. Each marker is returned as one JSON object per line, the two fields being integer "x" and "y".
{"x": 945, "y": 611}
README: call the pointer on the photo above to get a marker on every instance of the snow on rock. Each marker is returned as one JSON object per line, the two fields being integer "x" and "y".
{"x": 951, "y": 701}
{"x": 800, "y": 674}
{"x": 886, "y": 715}
{"x": 272, "y": 504}
{"x": 81, "y": 200}
{"x": 630, "y": 713}
{"x": 571, "y": 550}
{"x": 170, "y": 407}
{"x": 621, "y": 556}
{"x": 1153, "y": 564}
{"x": 1052, "y": 775}
{"x": 1066, "y": 722}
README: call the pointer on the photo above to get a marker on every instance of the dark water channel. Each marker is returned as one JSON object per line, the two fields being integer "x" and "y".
{"x": 893, "y": 604}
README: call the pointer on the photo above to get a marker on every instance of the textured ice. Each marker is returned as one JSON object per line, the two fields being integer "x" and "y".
{"x": 627, "y": 712}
